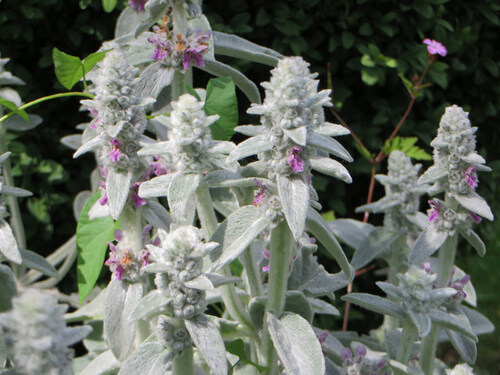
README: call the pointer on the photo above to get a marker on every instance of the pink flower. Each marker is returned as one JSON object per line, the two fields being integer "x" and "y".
{"x": 434, "y": 47}
{"x": 163, "y": 46}
{"x": 137, "y": 4}
{"x": 115, "y": 154}
{"x": 260, "y": 195}
{"x": 295, "y": 161}
{"x": 136, "y": 200}
{"x": 476, "y": 218}
{"x": 195, "y": 49}
{"x": 266, "y": 255}
{"x": 434, "y": 211}
{"x": 470, "y": 177}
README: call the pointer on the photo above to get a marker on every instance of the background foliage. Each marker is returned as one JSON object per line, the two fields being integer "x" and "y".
{"x": 364, "y": 45}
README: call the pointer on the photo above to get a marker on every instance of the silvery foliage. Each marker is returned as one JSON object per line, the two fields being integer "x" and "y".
{"x": 116, "y": 132}
{"x": 8, "y": 244}
{"x": 460, "y": 369}
{"x": 454, "y": 173}
{"x": 36, "y": 337}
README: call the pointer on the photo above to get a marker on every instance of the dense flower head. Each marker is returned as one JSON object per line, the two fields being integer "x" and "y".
{"x": 416, "y": 285}
{"x": 126, "y": 263}
{"x": 190, "y": 147}
{"x": 171, "y": 336}
{"x": 434, "y": 47}
{"x": 180, "y": 256}
{"x": 37, "y": 339}
{"x": 360, "y": 363}
{"x": 449, "y": 220}
{"x": 178, "y": 50}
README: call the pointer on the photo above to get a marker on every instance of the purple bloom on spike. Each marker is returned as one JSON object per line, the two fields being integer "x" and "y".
{"x": 322, "y": 336}
{"x": 137, "y": 4}
{"x": 346, "y": 354}
{"x": 114, "y": 262}
{"x": 433, "y": 212}
{"x": 163, "y": 47}
{"x": 266, "y": 255}
{"x": 458, "y": 285}
{"x": 104, "y": 197}
{"x": 360, "y": 351}
{"x": 470, "y": 177}
{"x": 260, "y": 195}
{"x": 145, "y": 258}
{"x": 136, "y": 200}
{"x": 427, "y": 267}
{"x": 118, "y": 235}
{"x": 476, "y": 218}
{"x": 115, "y": 154}
{"x": 197, "y": 45}
{"x": 434, "y": 47}
{"x": 295, "y": 161}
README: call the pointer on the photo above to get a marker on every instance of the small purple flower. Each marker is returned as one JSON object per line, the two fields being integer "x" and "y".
{"x": 115, "y": 263}
{"x": 434, "y": 47}
{"x": 145, "y": 258}
{"x": 470, "y": 177}
{"x": 260, "y": 195}
{"x": 104, "y": 196}
{"x": 115, "y": 154}
{"x": 96, "y": 120}
{"x": 476, "y": 218}
{"x": 346, "y": 354}
{"x": 163, "y": 46}
{"x": 434, "y": 211}
{"x": 427, "y": 268}
{"x": 360, "y": 351}
{"x": 458, "y": 285}
{"x": 197, "y": 45}
{"x": 137, "y": 4}
{"x": 266, "y": 255}
{"x": 295, "y": 161}
{"x": 136, "y": 200}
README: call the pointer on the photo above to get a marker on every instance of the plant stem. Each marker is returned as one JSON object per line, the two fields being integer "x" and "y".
{"x": 406, "y": 342}
{"x": 446, "y": 262}
{"x": 281, "y": 249}
{"x": 184, "y": 365}
{"x": 252, "y": 273}
{"x": 47, "y": 98}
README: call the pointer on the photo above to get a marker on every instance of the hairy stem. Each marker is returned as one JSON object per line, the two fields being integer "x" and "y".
{"x": 406, "y": 342}
{"x": 281, "y": 252}
{"x": 252, "y": 273}
{"x": 446, "y": 262}
{"x": 184, "y": 363}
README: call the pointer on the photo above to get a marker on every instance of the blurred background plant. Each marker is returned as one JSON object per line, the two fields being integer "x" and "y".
{"x": 365, "y": 47}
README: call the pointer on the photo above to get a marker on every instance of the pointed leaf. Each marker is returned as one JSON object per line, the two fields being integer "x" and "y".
{"x": 297, "y": 135}
{"x": 156, "y": 187}
{"x": 234, "y": 235}
{"x": 250, "y": 130}
{"x": 479, "y": 323}
{"x": 331, "y": 130}
{"x": 91, "y": 240}
{"x": 117, "y": 190}
{"x": 91, "y": 60}
{"x": 13, "y": 108}
{"x": 150, "y": 358}
{"x": 321, "y": 307}
{"x": 421, "y": 321}
{"x": 156, "y": 215}
{"x": 318, "y": 227}
{"x": 449, "y": 321}
{"x": 465, "y": 347}
{"x": 237, "y": 347}
{"x": 249, "y": 147}
{"x": 474, "y": 240}
{"x": 475, "y": 203}
{"x": 8, "y": 243}
{"x": 154, "y": 79}
{"x": 372, "y": 246}
{"x": 296, "y": 344}
{"x": 208, "y": 341}
{"x": 180, "y": 196}
{"x": 244, "y": 84}
{"x": 68, "y": 69}
{"x": 150, "y": 303}
{"x": 20, "y": 124}
{"x": 128, "y": 21}
{"x": 39, "y": 263}
{"x": 121, "y": 299}
{"x": 104, "y": 363}
{"x": 427, "y": 243}
{"x": 329, "y": 145}
{"x": 375, "y": 303}
{"x": 350, "y": 231}
{"x": 332, "y": 168}
{"x": 294, "y": 196}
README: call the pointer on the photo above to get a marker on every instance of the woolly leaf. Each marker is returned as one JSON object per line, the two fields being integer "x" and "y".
{"x": 427, "y": 243}
{"x": 375, "y": 303}
{"x": 294, "y": 195}
{"x": 151, "y": 358}
{"x": 372, "y": 246}
{"x": 91, "y": 240}
{"x": 8, "y": 243}
{"x": 8, "y": 288}
{"x": 296, "y": 344}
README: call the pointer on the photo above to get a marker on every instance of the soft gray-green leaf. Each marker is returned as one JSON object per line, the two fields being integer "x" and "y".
{"x": 234, "y": 235}
{"x": 296, "y": 344}
{"x": 321, "y": 307}
{"x": 474, "y": 240}
{"x": 8, "y": 288}
{"x": 249, "y": 147}
{"x": 156, "y": 215}
{"x": 329, "y": 145}
{"x": 372, "y": 246}
{"x": 121, "y": 299}
{"x": 475, "y": 203}
{"x": 297, "y": 135}
{"x": 128, "y": 21}
{"x": 208, "y": 341}
{"x": 117, "y": 190}
{"x": 8, "y": 243}
{"x": 37, "y": 262}
{"x": 421, "y": 321}
{"x": 375, "y": 303}
{"x": 331, "y": 130}
{"x": 242, "y": 82}
{"x": 465, "y": 347}
{"x": 153, "y": 79}
{"x": 350, "y": 231}
{"x": 479, "y": 323}
{"x": 294, "y": 196}
{"x": 318, "y": 227}
{"x": 446, "y": 320}
{"x": 332, "y": 168}
{"x": 156, "y": 187}
{"x": 104, "y": 364}
{"x": 149, "y": 304}
{"x": 432, "y": 174}
{"x": 427, "y": 243}
{"x": 150, "y": 358}
{"x": 180, "y": 196}
{"x": 17, "y": 123}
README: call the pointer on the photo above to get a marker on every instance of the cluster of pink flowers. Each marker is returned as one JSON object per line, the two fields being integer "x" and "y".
{"x": 260, "y": 194}
{"x": 295, "y": 161}
{"x": 183, "y": 51}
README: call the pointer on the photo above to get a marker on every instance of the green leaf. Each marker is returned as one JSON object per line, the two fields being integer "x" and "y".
{"x": 237, "y": 347}
{"x": 108, "y": 5}
{"x": 190, "y": 90}
{"x": 221, "y": 100}
{"x": 364, "y": 152}
{"x": 369, "y": 76}
{"x": 13, "y": 108}
{"x": 366, "y": 60}
{"x": 92, "y": 59}
{"x": 409, "y": 86}
{"x": 91, "y": 240}
{"x": 68, "y": 69}
{"x": 406, "y": 145}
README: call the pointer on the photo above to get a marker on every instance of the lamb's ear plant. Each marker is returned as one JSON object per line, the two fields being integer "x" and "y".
{"x": 212, "y": 247}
